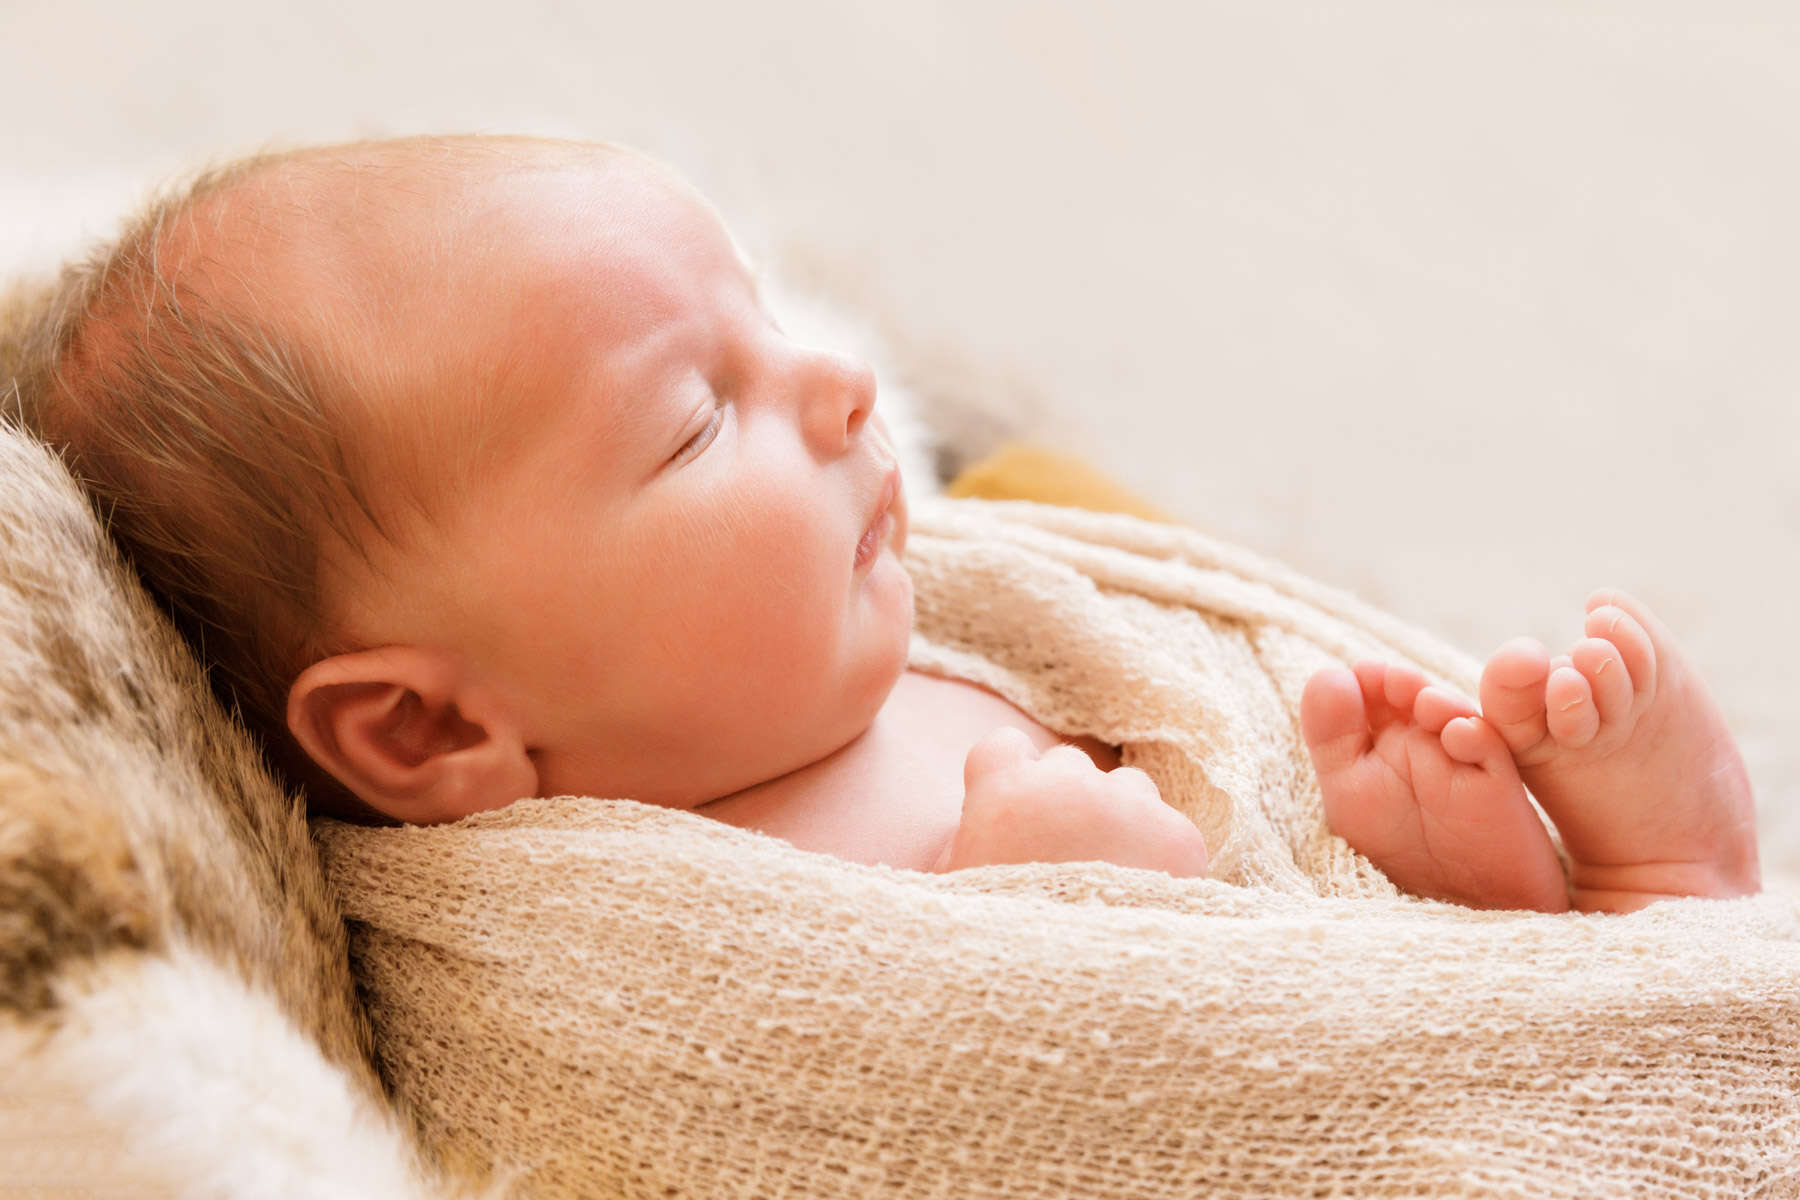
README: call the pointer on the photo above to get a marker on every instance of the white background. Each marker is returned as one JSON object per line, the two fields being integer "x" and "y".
{"x": 1468, "y": 307}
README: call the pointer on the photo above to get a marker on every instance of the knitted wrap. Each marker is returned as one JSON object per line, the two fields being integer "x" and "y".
{"x": 618, "y": 1000}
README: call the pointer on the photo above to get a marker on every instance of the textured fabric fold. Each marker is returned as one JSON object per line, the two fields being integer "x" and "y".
{"x": 622, "y": 1000}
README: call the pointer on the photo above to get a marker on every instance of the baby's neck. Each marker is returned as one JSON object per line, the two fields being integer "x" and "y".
{"x": 893, "y": 795}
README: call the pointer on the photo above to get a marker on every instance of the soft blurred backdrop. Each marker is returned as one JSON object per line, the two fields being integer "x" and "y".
{"x": 1467, "y": 306}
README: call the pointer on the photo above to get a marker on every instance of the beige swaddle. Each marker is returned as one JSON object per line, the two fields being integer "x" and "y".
{"x": 614, "y": 999}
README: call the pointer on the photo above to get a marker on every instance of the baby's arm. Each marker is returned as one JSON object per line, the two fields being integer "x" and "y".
{"x": 1020, "y": 806}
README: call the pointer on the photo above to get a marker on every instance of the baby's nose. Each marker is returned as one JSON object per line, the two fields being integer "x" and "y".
{"x": 839, "y": 396}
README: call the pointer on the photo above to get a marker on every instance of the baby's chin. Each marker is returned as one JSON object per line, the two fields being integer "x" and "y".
{"x": 896, "y": 602}
{"x": 863, "y": 702}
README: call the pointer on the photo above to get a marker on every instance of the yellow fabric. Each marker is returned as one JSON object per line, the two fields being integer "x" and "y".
{"x": 1023, "y": 472}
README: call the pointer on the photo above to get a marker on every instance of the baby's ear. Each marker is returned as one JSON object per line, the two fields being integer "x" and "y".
{"x": 408, "y": 733}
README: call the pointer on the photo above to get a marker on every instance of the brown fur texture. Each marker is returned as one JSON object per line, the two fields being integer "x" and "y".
{"x": 138, "y": 818}
{"x": 131, "y": 807}
{"x": 22, "y": 305}
{"x": 69, "y": 886}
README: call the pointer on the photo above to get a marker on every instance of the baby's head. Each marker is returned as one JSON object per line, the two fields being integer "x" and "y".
{"x": 477, "y": 471}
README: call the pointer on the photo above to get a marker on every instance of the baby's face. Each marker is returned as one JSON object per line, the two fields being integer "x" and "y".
{"x": 671, "y": 543}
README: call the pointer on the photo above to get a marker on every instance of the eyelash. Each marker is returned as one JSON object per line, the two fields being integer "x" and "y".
{"x": 693, "y": 446}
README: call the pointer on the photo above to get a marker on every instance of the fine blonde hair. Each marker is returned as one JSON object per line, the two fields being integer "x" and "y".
{"x": 221, "y": 447}
{"x": 212, "y": 446}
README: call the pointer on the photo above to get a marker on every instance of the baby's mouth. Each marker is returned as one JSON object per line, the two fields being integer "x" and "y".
{"x": 881, "y": 525}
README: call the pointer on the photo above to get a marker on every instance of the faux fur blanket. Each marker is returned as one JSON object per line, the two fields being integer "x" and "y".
{"x": 177, "y": 1013}
{"x": 620, "y": 1000}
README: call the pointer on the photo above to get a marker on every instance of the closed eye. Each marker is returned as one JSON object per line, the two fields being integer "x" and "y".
{"x": 691, "y": 448}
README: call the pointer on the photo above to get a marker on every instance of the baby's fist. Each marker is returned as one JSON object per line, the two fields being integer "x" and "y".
{"x": 1022, "y": 806}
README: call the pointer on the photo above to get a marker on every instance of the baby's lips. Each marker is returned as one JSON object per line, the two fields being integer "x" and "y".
{"x": 888, "y": 515}
{"x": 897, "y": 510}
{"x": 870, "y": 545}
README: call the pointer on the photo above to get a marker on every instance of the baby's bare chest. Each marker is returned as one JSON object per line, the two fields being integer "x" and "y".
{"x": 893, "y": 796}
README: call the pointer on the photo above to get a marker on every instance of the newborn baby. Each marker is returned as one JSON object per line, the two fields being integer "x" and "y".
{"x": 480, "y": 472}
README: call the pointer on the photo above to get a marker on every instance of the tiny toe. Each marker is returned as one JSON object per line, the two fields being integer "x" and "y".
{"x": 1521, "y": 663}
{"x": 1600, "y": 597}
{"x": 1569, "y": 711}
{"x": 1636, "y": 651}
{"x": 1436, "y": 707}
{"x": 1371, "y": 677}
{"x": 1600, "y": 663}
{"x": 1512, "y": 691}
{"x": 1332, "y": 719}
{"x": 1403, "y": 687}
{"x": 1473, "y": 741}
{"x": 1614, "y": 598}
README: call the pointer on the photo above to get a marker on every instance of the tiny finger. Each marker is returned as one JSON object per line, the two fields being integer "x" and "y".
{"x": 1134, "y": 781}
{"x": 997, "y": 750}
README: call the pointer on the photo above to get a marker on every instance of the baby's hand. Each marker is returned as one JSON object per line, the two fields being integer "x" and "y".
{"x": 1020, "y": 806}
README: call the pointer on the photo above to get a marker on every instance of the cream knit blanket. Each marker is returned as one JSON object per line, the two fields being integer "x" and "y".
{"x": 618, "y": 1000}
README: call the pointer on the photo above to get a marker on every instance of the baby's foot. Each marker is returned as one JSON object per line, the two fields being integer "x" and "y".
{"x": 1625, "y": 749}
{"x": 1420, "y": 784}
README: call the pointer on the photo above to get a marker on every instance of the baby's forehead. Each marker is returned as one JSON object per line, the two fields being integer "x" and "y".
{"x": 420, "y": 269}
{"x": 385, "y": 239}
{"x": 545, "y": 217}
{"x": 468, "y": 291}
{"x": 417, "y": 206}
